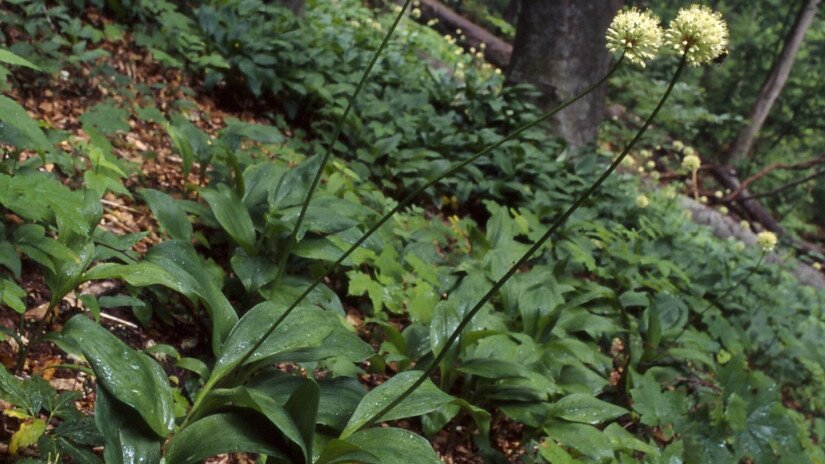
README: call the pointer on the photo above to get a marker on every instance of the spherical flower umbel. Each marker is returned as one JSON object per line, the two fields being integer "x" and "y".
{"x": 691, "y": 163}
{"x": 699, "y": 32}
{"x": 635, "y": 33}
{"x": 642, "y": 201}
{"x": 766, "y": 240}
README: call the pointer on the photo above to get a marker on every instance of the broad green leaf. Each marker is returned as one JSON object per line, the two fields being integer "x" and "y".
{"x": 294, "y": 185}
{"x": 394, "y": 446}
{"x": 339, "y": 399}
{"x": 106, "y": 118}
{"x": 233, "y": 216}
{"x": 305, "y": 327}
{"x": 228, "y": 432}
{"x": 141, "y": 274}
{"x": 493, "y": 368}
{"x": 129, "y": 376}
{"x": 26, "y": 435}
{"x": 10, "y": 58}
{"x": 10, "y": 259}
{"x": 622, "y": 439}
{"x": 426, "y": 398}
{"x": 656, "y": 408}
{"x": 584, "y": 408}
{"x": 127, "y": 438}
{"x": 295, "y": 418}
{"x": 180, "y": 259}
{"x": 253, "y": 271}
{"x": 39, "y": 196}
{"x": 385, "y": 445}
{"x": 12, "y": 295}
{"x": 585, "y": 439}
{"x": 555, "y": 454}
{"x": 194, "y": 365}
{"x": 24, "y": 130}
{"x": 182, "y": 145}
{"x": 11, "y": 390}
{"x": 256, "y": 132}
{"x": 169, "y": 214}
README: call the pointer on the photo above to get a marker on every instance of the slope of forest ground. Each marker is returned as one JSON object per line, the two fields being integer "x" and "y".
{"x": 622, "y": 341}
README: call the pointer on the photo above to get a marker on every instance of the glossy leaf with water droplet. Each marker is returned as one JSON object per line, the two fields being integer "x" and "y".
{"x": 380, "y": 446}
{"x": 426, "y": 398}
{"x": 305, "y": 327}
{"x": 586, "y": 409}
{"x": 230, "y": 432}
{"x": 129, "y": 376}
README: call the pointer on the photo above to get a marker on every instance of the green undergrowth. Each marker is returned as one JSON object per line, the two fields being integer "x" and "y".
{"x": 618, "y": 343}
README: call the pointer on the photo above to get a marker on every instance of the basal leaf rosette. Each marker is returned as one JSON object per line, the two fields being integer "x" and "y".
{"x": 635, "y": 33}
{"x": 699, "y": 32}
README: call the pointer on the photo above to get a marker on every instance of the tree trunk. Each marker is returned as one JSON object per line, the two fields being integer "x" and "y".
{"x": 774, "y": 83}
{"x": 560, "y": 48}
{"x": 511, "y": 12}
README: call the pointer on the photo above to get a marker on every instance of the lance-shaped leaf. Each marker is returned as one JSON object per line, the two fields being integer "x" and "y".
{"x": 230, "y": 432}
{"x": 305, "y": 327}
{"x": 380, "y": 446}
{"x": 129, "y": 376}
{"x": 426, "y": 398}
{"x": 127, "y": 438}
{"x": 232, "y": 215}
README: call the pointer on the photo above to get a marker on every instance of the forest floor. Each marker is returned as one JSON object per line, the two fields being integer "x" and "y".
{"x": 147, "y": 145}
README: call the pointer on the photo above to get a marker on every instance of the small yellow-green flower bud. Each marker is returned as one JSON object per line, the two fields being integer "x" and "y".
{"x": 628, "y": 161}
{"x": 642, "y": 201}
{"x": 678, "y": 145}
{"x": 635, "y": 33}
{"x": 745, "y": 224}
{"x": 650, "y": 164}
{"x": 718, "y": 194}
{"x": 766, "y": 240}
{"x": 740, "y": 246}
{"x": 691, "y": 163}
{"x": 818, "y": 266}
{"x": 699, "y": 32}
{"x": 723, "y": 210}
{"x": 703, "y": 199}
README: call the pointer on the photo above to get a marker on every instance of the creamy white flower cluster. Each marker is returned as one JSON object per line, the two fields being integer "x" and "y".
{"x": 697, "y": 31}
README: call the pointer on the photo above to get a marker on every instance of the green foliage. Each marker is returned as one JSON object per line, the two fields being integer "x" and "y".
{"x": 584, "y": 347}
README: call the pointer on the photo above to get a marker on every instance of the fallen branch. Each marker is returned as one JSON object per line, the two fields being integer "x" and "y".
{"x": 496, "y": 50}
{"x": 773, "y": 167}
{"x": 755, "y": 210}
{"x": 787, "y": 186}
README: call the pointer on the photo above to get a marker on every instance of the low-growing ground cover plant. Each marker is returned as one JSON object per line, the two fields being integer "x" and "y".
{"x": 613, "y": 342}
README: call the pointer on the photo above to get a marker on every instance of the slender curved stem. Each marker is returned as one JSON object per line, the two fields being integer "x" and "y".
{"x": 724, "y": 295}
{"x": 526, "y": 257}
{"x": 406, "y": 201}
{"x": 331, "y": 143}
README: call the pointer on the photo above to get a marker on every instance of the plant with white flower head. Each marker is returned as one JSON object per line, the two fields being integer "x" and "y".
{"x": 635, "y": 33}
{"x": 698, "y": 32}
{"x": 766, "y": 240}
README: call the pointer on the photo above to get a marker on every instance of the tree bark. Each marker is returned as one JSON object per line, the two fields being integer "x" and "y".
{"x": 560, "y": 48}
{"x": 773, "y": 85}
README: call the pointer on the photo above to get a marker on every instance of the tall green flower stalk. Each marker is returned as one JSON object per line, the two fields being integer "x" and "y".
{"x": 212, "y": 382}
{"x": 406, "y": 201}
{"x": 331, "y": 143}
{"x": 766, "y": 242}
{"x": 687, "y": 38}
